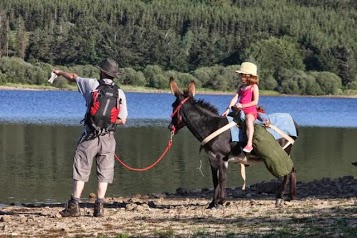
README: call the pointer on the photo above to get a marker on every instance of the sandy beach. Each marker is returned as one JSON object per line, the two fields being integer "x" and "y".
{"x": 324, "y": 208}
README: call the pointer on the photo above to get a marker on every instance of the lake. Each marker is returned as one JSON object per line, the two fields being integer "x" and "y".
{"x": 39, "y": 131}
{"x": 151, "y": 109}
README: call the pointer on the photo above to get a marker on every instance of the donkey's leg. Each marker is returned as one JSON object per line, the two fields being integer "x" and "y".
{"x": 292, "y": 193}
{"x": 222, "y": 182}
{"x": 282, "y": 187}
{"x": 280, "y": 195}
{"x": 219, "y": 177}
{"x": 214, "y": 202}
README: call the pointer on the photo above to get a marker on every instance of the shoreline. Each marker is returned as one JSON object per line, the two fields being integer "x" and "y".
{"x": 146, "y": 90}
{"x": 323, "y": 208}
{"x": 264, "y": 189}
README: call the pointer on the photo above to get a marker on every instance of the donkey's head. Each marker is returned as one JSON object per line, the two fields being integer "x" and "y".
{"x": 181, "y": 98}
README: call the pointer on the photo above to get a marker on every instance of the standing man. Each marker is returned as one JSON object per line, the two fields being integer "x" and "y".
{"x": 97, "y": 141}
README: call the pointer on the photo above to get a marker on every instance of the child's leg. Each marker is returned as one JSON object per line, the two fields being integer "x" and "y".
{"x": 249, "y": 121}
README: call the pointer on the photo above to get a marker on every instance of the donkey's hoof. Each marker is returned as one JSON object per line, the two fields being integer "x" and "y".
{"x": 279, "y": 202}
{"x": 218, "y": 206}
{"x": 291, "y": 199}
{"x": 210, "y": 206}
{"x": 214, "y": 206}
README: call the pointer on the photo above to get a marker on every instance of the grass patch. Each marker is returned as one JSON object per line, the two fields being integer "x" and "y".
{"x": 126, "y": 88}
{"x": 350, "y": 92}
{"x": 130, "y": 88}
{"x": 167, "y": 232}
{"x": 200, "y": 233}
{"x": 269, "y": 93}
{"x": 121, "y": 235}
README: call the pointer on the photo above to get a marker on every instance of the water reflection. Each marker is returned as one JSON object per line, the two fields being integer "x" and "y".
{"x": 36, "y": 161}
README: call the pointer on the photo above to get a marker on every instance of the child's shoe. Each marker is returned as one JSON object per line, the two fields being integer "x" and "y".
{"x": 248, "y": 149}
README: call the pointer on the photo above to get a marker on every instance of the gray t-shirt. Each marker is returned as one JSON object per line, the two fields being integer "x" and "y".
{"x": 87, "y": 85}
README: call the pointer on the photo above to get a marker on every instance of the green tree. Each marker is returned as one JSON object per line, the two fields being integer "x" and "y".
{"x": 4, "y": 26}
{"x": 21, "y": 39}
{"x": 151, "y": 73}
{"x": 273, "y": 54}
{"x": 185, "y": 79}
{"x": 186, "y": 35}
{"x": 330, "y": 83}
{"x": 132, "y": 77}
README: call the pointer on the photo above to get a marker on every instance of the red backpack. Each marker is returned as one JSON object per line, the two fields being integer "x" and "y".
{"x": 103, "y": 109}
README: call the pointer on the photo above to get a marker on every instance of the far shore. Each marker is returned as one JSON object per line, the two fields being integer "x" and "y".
{"x": 153, "y": 90}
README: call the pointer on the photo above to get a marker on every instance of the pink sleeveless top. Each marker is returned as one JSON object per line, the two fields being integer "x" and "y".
{"x": 246, "y": 96}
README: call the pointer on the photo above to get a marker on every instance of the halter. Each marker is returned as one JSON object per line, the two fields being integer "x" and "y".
{"x": 176, "y": 111}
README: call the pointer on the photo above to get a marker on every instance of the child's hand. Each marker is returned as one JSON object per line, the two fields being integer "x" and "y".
{"x": 267, "y": 123}
{"x": 225, "y": 113}
{"x": 239, "y": 105}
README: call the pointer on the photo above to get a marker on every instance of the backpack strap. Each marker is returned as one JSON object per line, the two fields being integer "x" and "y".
{"x": 102, "y": 82}
{"x": 112, "y": 84}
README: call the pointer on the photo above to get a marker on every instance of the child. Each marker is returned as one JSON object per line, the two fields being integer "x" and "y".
{"x": 247, "y": 96}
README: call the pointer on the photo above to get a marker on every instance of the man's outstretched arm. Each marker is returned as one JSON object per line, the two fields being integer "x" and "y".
{"x": 69, "y": 76}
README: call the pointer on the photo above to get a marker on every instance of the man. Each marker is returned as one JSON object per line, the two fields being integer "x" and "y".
{"x": 93, "y": 145}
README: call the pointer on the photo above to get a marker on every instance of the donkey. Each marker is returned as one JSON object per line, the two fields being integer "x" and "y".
{"x": 202, "y": 119}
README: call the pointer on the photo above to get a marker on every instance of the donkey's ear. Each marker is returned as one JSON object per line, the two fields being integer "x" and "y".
{"x": 192, "y": 88}
{"x": 174, "y": 88}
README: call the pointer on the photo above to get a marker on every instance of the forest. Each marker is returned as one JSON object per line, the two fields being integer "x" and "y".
{"x": 301, "y": 47}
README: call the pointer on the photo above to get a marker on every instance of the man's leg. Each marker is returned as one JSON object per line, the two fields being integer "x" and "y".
{"x": 105, "y": 171}
{"x": 82, "y": 163}
{"x": 99, "y": 203}
{"x": 77, "y": 188}
{"x": 102, "y": 189}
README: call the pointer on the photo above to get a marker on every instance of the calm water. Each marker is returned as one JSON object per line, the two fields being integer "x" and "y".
{"x": 39, "y": 130}
{"x": 148, "y": 109}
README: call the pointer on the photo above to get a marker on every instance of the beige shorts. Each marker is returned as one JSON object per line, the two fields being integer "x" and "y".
{"x": 101, "y": 149}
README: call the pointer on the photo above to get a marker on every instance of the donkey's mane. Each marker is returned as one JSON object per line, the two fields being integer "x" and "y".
{"x": 202, "y": 103}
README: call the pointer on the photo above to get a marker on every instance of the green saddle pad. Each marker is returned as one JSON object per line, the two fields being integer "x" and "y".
{"x": 276, "y": 160}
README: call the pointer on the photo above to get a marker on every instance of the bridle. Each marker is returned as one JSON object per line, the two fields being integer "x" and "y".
{"x": 176, "y": 111}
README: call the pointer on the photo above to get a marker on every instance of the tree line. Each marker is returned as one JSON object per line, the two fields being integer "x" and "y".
{"x": 300, "y": 46}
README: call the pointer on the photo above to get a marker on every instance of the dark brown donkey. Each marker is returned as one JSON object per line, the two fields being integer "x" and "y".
{"x": 202, "y": 119}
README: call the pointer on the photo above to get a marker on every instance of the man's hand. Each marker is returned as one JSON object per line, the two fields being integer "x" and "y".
{"x": 52, "y": 78}
{"x": 69, "y": 76}
{"x": 121, "y": 121}
{"x": 57, "y": 72}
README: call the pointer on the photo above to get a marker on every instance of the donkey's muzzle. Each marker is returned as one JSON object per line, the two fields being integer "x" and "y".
{"x": 172, "y": 128}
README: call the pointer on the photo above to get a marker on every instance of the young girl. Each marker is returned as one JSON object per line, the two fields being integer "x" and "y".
{"x": 247, "y": 96}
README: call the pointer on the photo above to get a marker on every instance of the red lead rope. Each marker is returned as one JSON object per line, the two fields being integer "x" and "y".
{"x": 169, "y": 144}
{"x": 167, "y": 147}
